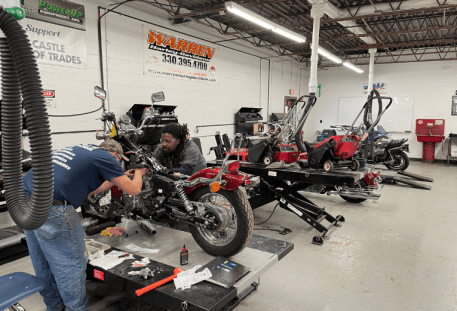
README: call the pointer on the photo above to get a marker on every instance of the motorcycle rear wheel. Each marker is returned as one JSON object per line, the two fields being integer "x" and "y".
{"x": 401, "y": 162}
{"x": 227, "y": 242}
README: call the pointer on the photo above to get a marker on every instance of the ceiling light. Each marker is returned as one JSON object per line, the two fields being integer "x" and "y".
{"x": 249, "y": 17}
{"x": 289, "y": 35}
{"x": 329, "y": 55}
{"x": 263, "y": 22}
{"x": 351, "y": 66}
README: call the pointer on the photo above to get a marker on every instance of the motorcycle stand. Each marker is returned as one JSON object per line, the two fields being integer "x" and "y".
{"x": 292, "y": 201}
{"x": 392, "y": 177}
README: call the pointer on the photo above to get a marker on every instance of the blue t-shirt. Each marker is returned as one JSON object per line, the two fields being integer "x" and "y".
{"x": 79, "y": 170}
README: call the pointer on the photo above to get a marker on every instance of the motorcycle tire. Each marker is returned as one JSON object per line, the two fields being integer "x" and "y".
{"x": 359, "y": 184}
{"x": 244, "y": 219}
{"x": 403, "y": 160}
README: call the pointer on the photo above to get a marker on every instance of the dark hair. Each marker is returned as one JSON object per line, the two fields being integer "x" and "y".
{"x": 178, "y": 131}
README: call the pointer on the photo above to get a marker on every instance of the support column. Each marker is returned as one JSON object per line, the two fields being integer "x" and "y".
{"x": 371, "y": 71}
{"x": 317, "y": 11}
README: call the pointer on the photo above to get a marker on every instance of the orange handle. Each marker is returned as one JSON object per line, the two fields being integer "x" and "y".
{"x": 143, "y": 290}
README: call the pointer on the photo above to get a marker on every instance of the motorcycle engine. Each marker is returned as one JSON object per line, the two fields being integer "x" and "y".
{"x": 143, "y": 204}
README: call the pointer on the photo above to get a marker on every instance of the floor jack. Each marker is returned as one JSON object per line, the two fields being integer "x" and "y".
{"x": 289, "y": 199}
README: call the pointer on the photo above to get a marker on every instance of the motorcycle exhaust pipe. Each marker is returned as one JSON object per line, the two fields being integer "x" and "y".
{"x": 371, "y": 196}
{"x": 159, "y": 213}
{"x": 146, "y": 225}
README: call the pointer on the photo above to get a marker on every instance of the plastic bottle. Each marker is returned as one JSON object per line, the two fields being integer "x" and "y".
{"x": 184, "y": 256}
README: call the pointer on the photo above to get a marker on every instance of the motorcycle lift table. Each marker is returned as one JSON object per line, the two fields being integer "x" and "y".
{"x": 283, "y": 184}
{"x": 396, "y": 177}
{"x": 261, "y": 254}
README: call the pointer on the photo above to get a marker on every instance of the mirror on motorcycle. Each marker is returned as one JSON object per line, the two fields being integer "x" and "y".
{"x": 158, "y": 97}
{"x": 99, "y": 93}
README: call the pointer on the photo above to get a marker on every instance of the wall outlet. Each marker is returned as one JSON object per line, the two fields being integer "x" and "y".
{"x": 217, "y": 132}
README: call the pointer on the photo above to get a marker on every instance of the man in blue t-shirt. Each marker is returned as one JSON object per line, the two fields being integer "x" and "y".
{"x": 57, "y": 248}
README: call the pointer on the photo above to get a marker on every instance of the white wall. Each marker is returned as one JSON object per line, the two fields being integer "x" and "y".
{"x": 242, "y": 81}
{"x": 430, "y": 83}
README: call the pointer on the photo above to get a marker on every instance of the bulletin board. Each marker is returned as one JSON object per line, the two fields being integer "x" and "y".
{"x": 398, "y": 118}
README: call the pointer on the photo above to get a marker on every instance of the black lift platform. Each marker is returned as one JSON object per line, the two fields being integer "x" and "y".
{"x": 283, "y": 184}
{"x": 260, "y": 255}
{"x": 396, "y": 177}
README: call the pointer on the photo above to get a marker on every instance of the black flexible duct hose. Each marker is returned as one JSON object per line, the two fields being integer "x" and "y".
{"x": 298, "y": 137}
{"x": 367, "y": 115}
{"x": 20, "y": 72}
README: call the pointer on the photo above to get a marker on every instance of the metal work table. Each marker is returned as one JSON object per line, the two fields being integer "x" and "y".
{"x": 260, "y": 255}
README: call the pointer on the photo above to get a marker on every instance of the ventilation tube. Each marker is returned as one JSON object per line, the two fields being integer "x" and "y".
{"x": 20, "y": 72}
{"x": 368, "y": 114}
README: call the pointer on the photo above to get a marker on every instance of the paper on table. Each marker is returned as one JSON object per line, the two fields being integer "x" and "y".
{"x": 109, "y": 260}
{"x": 136, "y": 249}
{"x": 133, "y": 248}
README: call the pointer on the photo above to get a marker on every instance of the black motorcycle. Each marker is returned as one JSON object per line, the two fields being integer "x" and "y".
{"x": 392, "y": 154}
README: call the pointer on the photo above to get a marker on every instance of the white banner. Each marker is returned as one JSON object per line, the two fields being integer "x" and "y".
{"x": 57, "y": 45}
{"x": 171, "y": 55}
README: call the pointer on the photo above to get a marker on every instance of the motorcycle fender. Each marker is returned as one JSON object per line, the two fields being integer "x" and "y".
{"x": 405, "y": 147}
{"x": 233, "y": 180}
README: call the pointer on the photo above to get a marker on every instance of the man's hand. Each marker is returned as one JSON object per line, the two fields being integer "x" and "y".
{"x": 130, "y": 173}
{"x": 130, "y": 152}
{"x": 143, "y": 171}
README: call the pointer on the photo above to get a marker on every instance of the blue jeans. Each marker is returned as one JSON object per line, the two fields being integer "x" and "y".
{"x": 59, "y": 258}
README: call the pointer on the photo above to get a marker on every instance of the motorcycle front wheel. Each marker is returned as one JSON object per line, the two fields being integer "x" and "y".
{"x": 361, "y": 184}
{"x": 236, "y": 236}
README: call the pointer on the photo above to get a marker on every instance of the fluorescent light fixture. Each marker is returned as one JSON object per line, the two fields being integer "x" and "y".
{"x": 329, "y": 55}
{"x": 289, "y": 34}
{"x": 351, "y": 66}
{"x": 249, "y": 17}
{"x": 263, "y": 22}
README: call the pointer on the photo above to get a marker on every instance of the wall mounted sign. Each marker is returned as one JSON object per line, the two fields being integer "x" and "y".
{"x": 380, "y": 87}
{"x": 454, "y": 106}
{"x": 50, "y": 97}
{"x": 60, "y": 12}
{"x": 57, "y": 45}
{"x": 170, "y": 55}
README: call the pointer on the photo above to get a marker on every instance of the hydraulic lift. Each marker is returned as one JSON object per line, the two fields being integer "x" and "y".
{"x": 396, "y": 177}
{"x": 283, "y": 184}
{"x": 260, "y": 255}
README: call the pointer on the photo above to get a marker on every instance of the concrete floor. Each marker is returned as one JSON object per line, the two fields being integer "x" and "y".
{"x": 394, "y": 254}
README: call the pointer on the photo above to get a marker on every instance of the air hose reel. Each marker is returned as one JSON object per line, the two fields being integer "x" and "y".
{"x": 20, "y": 75}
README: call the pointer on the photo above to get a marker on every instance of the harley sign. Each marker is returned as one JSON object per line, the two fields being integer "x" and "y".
{"x": 167, "y": 55}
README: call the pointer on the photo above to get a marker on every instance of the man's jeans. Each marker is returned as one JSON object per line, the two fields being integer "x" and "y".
{"x": 58, "y": 256}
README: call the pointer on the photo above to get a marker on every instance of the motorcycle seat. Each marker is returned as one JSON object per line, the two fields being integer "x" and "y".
{"x": 394, "y": 144}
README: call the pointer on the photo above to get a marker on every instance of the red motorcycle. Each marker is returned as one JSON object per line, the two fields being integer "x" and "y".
{"x": 218, "y": 213}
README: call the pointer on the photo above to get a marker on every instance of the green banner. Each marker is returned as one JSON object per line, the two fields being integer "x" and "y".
{"x": 60, "y": 12}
